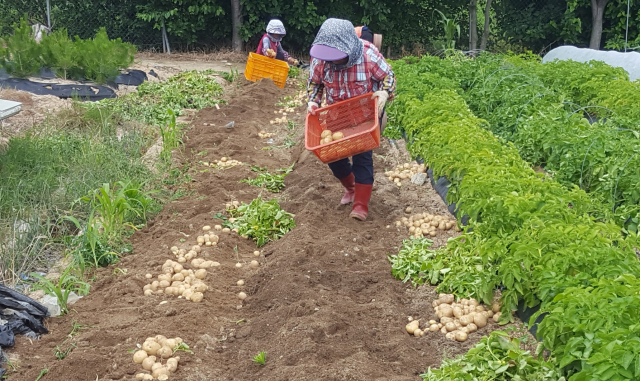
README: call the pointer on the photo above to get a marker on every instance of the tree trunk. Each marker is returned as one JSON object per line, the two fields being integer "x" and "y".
{"x": 487, "y": 21}
{"x": 473, "y": 25}
{"x": 597, "y": 12}
{"x": 236, "y": 23}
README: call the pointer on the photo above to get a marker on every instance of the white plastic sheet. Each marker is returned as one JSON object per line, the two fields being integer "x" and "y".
{"x": 629, "y": 61}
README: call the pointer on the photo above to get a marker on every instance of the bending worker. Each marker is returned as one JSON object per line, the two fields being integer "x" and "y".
{"x": 270, "y": 43}
{"x": 343, "y": 67}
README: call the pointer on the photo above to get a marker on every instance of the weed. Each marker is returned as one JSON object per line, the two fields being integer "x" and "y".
{"x": 171, "y": 137}
{"x": 230, "y": 76}
{"x": 272, "y": 183}
{"x": 63, "y": 349}
{"x": 66, "y": 284}
{"x": 42, "y": 373}
{"x": 182, "y": 347}
{"x": 260, "y": 358}
{"x": 294, "y": 72}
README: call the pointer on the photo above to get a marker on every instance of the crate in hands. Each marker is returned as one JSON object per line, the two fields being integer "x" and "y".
{"x": 343, "y": 129}
{"x": 259, "y": 67}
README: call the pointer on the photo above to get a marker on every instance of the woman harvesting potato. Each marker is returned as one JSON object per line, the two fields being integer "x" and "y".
{"x": 343, "y": 67}
{"x": 270, "y": 43}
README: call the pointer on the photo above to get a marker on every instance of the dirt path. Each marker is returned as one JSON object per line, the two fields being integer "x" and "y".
{"x": 323, "y": 303}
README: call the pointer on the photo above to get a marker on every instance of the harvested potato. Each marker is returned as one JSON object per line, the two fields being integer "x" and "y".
{"x": 417, "y": 332}
{"x": 434, "y": 328}
{"x": 461, "y": 336}
{"x": 255, "y": 264}
{"x": 337, "y": 135}
{"x": 172, "y": 364}
{"x": 446, "y": 310}
{"x": 151, "y": 347}
{"x": 466, "y": 320}
{"x": 238, "y": 265}
{"x": 256, "y": 253}
{"x": 240, "y": 282}
{"x": 457, "y": 312}
{"x": 200, "y": 274}
{"x": 495, "y": 307}
{"x": 496, "y": 316}
{"x": 451, "y": 326}
{"x": 325, "y": 133}
{"x": 148, "y": 362}
{"x": 197, "y": 297}
{"x": 412, "y": 327}
{"x": 139, "y": 356}
{"x": 161, "y": 371}
{"x": 472, "y": 327}
{"x": 480, "y": 320}
{"x": 242, "y": 296}
{"x": 446, "y": 298}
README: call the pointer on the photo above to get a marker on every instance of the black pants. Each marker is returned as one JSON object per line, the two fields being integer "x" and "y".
{"x": 362, "y": 167}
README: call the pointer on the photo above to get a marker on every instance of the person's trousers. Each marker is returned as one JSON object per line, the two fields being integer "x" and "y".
{"x": 362, "y": 167}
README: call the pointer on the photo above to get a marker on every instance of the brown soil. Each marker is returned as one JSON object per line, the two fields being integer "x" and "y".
{"x": 35, "y": 109}
{"x": 323, "y": 303}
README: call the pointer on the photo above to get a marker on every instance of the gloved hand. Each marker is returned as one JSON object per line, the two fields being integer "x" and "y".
{"x": 312, "y": 107}
{"x": 382, "y": 96}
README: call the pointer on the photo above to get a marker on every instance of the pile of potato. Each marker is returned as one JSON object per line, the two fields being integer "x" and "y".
{"x": 264, "y": 134}
{"x": 456, "y": 320}
{"x": 157, "y": 348}
{"x": 425, "y": 224}
{"x": 225, "y": 162}
{"x": 327, "y": 136}
{"x": 178, "y": 281}
{"x": 404, "y": 172}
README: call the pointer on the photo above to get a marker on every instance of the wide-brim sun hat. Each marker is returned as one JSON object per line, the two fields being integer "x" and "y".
{"x": 326, "y": 53}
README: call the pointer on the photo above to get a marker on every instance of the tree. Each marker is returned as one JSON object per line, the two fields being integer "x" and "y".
{"x": 236, "y": 22}
{"x": 487, "y": 21}
{"x": 597, "y": 11}
{"x": 473, "y": 25}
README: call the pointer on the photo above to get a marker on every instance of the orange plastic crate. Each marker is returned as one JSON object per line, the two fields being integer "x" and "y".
{"x": 357, "y": 118}
{"x": 259, "y": 67}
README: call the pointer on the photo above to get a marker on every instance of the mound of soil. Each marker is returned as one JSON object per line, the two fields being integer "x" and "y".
{"x": 322, "y": 305}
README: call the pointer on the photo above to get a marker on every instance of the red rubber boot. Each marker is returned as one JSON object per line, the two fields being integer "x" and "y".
{"x": 361, "y": 202}
{"x": 349, "y": 183}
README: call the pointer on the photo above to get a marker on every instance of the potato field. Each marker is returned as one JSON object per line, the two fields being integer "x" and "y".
{"x": 252, "y": 270}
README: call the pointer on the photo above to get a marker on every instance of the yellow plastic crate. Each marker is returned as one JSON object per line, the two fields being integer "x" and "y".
{"x": 259, "y": 67}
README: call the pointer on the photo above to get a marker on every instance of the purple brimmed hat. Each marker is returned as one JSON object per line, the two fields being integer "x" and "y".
{"x": 326, "y": 53}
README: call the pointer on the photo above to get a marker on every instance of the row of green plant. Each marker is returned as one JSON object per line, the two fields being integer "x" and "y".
{"x": 99, "y": 59}
{"x": 532, "y": 237}
{"x": 149, "y": 104}
{"x": 541, "y": 109}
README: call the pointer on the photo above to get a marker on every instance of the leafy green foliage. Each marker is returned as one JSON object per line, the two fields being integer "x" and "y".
{"x": 118, "y": 207}
{"x": 101, "y": 59}
{"x": 60, "y": 53}
{"x": 272, "y": 183}
{"x": 21, "y": 56}
{"x": 98, "y": 59}
{"x": 496, "y": 357}
{"x": 263, "y": 221}
{"x": 531, "y": 235}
